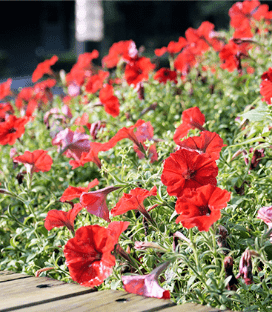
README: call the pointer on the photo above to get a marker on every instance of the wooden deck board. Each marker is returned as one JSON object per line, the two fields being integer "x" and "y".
{"x": 103, "y": 301}
{"x": 9, "y": 276}
{"x": 191, "y": 307}
{"x": 28, "y": 291}
{"x": 30, "y": 294}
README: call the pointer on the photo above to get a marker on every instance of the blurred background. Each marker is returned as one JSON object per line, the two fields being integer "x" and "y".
{"x": 32, "y": 31}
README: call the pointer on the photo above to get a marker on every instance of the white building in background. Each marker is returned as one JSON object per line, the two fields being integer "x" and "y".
{"x": 89, "y": 23}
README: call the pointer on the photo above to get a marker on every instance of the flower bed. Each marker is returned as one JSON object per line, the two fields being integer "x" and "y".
{"x": 155, "y": 180}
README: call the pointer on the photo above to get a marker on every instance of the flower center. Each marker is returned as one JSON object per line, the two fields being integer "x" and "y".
{"x": 189, "y": 174}
{"x": 98, "y": 256}
{"x": 12, "y": 130}
{"x": 204, "y": 210}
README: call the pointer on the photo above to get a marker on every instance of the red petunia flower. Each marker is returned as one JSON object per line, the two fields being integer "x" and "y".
{"x": 116, "y": 228}
{"x": 161, "y": 51}
{"x": 12, "y": 129}
{"x": 165, "y": 74}
{"x": 95, "y": 202}
{"x": 266, "y": 86}
{"x": 126, "y": 133}
{"x": 42, "y": 90}
{"x": 245, "y": 14}
{"x": 175, "y": 47}
{"x": 92, "y": 155}
{"x": 109, "y": 100}
{"x": 188, "y": 169}
{"x": 35, "y": 161}
{"x": 85, "y": 59}
{"x": 75, "y": 163}
{"x": 58, "y": 218}
{"x": 172, "y": 48}
{"x": 24, "y": 97}
{"x": 95, "y": 82}
{"x": 133, "y": 201}
{"x": 243, "y": 31}
{"x": 82, "y": 69}
{"x": 208, "y": 142}
{"x": 146, "y": 285}
{"x": 73, "y": 144}
{"x": 5, "y": 110}
{"x": 5, "y": 88}
{"x": 185, "y": 60}
{"x": 89, "y": 254}
{"x": 73, "y": 192}
{"x": 201, "y": 207}
{"x": 191, "y": 118}
{"x": 44, "y": 68}
{"x": 116, "y": 52}
{"x": 231, "y": 55}
{"x": 29, "y": 98}
{"x": 138, "y": 70}
{"x": 202, "y": 39}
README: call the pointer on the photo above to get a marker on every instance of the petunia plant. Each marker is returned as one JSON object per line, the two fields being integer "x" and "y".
{"x": 151, "y": 179}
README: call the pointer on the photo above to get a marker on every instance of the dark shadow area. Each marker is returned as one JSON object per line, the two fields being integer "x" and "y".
{"x": 32, "y": 31}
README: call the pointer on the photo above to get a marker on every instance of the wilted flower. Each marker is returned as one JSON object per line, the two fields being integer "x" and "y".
{"x": 145, "y": 245}
{"x": 95, "y": 202}
{"x": 222, "y": 239}
{"x": 147, "y": 285}
{"x": 245, "y": 266}
{"x": 228, "y": 266}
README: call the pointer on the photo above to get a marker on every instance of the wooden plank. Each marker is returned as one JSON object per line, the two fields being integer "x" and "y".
{"x": 103, "y": 301}
{"x": 188, "y": 307}
{"x": 6, "y": 273}
{"x": 9, "y": 276}
{"x": 30, "y": 291}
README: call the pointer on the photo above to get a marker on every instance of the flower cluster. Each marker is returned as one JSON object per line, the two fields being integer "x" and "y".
{"x": 190, "y": 174}
{"x": 128, "y": 170}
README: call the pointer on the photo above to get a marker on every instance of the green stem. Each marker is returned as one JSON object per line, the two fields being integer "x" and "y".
{"x": 193, "y": 245}
{"x": 126, "y": 256}
{"x": 214, "y": 245}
